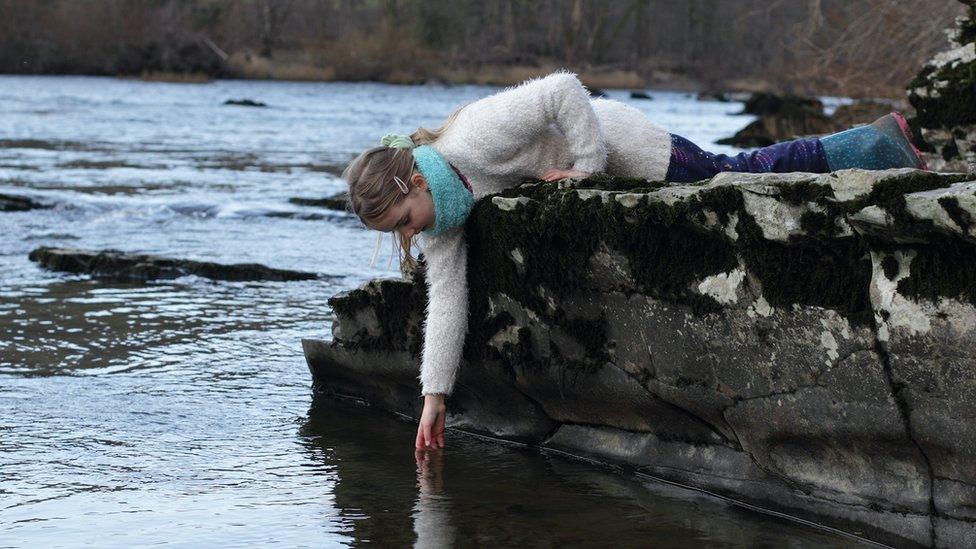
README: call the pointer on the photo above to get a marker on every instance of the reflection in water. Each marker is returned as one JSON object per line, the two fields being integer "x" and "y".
{"x": 178, "y": 412}
{"x": 484, "y": 493}
{"x": 432, "y": 512}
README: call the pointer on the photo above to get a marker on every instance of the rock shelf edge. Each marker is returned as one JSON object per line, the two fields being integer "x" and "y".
{"x": 804, "y": 343}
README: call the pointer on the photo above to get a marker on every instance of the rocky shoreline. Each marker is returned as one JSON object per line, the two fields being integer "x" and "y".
{"x": 800, "y": 342}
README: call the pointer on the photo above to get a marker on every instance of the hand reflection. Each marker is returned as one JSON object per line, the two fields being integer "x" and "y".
{"x": 430, "y": 468}
{"x": 432, "y": 510}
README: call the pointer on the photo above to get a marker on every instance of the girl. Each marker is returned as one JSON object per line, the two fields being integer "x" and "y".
{"x": 426, "y": 183}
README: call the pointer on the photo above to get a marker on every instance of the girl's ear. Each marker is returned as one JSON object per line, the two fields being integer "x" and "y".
{"x": 419, "y": 181}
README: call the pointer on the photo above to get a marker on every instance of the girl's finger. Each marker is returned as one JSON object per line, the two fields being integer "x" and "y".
{"x": 419, "y": 443}
{"x": 439, "y": 431}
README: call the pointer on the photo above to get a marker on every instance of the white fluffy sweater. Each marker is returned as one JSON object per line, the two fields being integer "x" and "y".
{"x": 522, "y": 131}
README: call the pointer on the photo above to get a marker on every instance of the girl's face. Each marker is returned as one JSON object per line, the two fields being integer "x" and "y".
{"x": 411, "y": 215}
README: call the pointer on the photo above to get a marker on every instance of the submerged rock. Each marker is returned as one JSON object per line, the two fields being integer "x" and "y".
{"x": 245, "y": 103}
{"x": 117, "y": 265}
{"x": 944, "y": 97}
{"x": 770, "y": 104}
{"x": 801, "y": 342}
{"x": 15, "y": 203}
{"x": 780, "y": 118}
{"x": 861, "y": 112}
{"x": 339, "y": 201}
{"x": 594, "y": 91}
{"x": 706, "y": 95}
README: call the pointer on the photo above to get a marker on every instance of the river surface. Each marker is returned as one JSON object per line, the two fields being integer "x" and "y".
{"x": 180, "y": 412}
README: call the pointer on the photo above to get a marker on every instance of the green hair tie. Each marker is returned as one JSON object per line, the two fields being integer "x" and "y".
{"x": 397, "y": 141}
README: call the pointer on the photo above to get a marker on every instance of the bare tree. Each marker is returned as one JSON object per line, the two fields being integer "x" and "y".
{"x": 862, "y": 47}
{"x": 274, "y": 13}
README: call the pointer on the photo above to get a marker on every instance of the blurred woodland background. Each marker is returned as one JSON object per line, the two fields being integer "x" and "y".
{"x": 858, "y": 48}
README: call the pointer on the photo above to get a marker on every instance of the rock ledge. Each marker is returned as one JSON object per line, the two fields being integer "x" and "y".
{"x": 801, "y": 342}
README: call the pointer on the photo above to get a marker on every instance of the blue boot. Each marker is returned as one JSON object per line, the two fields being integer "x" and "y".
{"x": 882, "y": 144}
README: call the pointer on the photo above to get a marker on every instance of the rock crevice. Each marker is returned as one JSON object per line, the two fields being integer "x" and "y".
{"x": 905, "y": 414}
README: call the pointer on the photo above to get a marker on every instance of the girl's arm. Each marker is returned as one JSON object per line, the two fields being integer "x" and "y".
{"x": 507, "y": 121}
{"x": 447, "y": 310}
{"x": 444, "y": 330}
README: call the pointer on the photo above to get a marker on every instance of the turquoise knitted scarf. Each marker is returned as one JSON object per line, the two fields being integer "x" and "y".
{"x": 453, "y": 199}
{"x": 451, "y": 191}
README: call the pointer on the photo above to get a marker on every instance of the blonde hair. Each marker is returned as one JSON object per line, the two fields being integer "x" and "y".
{"x": 372, "y": 189}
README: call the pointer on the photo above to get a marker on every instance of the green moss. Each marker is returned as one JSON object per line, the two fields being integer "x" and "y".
{"x": 522, "y": 350}
{"x": 614, "y": 183}
{"x": 809, "y": 271}
{"x": 815, "y": 223}
{"x": 890, "y": 193}
{"x": 966, "y": 32}
{"x": 664, "y": 254}
{"x": 942, "y": 268}
{"x": 832, "y": 273}
{"x": 723, "y": 201}
{"x": 917, "y": 138}
{"x": 605, "y": 182}
{"x": 558, "y": 232}
{"x": 955, "y": 102}
{"x": 591, "y": 334}
{"x": 397, "y": 304}
{"x": 890, "y": 267}
{"x": 801, "y": 192}
{"x": 834, "y": 277}
{"x": 668, "y": 253}
{"x": 923, "y": 77}
{"x": 950, "y": 150}
{"x": 956, "y": 213}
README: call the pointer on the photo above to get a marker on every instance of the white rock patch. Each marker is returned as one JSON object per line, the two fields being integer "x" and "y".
{"x": 509, "y": 204}
{"x": 723, "y": 286}
{"x": 903, "y": 313}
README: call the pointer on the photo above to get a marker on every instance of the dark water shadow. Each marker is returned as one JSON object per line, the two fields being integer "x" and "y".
{"x": 484, "y": 493}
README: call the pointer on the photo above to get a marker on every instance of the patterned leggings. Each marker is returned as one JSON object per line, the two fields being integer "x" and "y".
{"x": 689, "y": 163}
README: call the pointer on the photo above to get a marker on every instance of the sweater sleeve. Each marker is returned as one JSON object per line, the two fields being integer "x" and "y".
{"x": 509, "y": 120}
{"x": 447, "y": 310}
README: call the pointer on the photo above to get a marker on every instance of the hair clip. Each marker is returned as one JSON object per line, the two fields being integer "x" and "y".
{"x": 401, "y": 184}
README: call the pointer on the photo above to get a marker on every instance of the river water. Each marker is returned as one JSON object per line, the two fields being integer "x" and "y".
{"x": 180, "y": 412}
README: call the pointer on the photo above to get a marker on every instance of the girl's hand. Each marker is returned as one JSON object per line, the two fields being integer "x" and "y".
{"x": 430, "y": 432}
{"x": 554, "y": 174}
